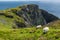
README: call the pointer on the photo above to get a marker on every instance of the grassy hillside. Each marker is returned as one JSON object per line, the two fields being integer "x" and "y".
{"x": 15, "y": 23}
{"x": 9, "y": 19}
{"x": 32, "y": 33}
{"x": 29, "y": 34}
{"x": 54, "y": 24}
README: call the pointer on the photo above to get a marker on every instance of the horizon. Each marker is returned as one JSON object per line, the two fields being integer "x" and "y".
{"x": 50, "y": 7}
{"x": 51, "y": 1}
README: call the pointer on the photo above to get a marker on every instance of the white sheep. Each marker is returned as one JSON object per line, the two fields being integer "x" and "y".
{"x": 45, "y": 29}
{"x": 39, "y": 26}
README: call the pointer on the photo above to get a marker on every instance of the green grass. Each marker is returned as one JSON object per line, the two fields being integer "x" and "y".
{"x": 8, "y": 33}
{"x": 6, "y": 21}
{"x": 29, "y": 34}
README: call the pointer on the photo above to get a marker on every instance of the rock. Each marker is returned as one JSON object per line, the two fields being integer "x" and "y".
{"x": 35, "y": 16}
{"x": 27, "y": 16}
{"x": 48, "y": 17}
{"x": 1, "y": 13}
{"x": 9, "y": 16}
{"x": 19, "y": 24}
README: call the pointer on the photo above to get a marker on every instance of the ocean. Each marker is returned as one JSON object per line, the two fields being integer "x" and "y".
{"x": 53, "y": 8}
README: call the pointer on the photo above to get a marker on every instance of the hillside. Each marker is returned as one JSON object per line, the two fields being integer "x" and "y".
{"x": 32, "y": 33}
{"x": 54, "y": 24}
{"x": 20, "y": 24}
{"x": 25, "y": 16}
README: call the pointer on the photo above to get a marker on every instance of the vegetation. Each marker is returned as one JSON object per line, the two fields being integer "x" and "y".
{"x": 13, "y": 26}
{"x": 29, "y": 34}
{"x": 8, "y": 18}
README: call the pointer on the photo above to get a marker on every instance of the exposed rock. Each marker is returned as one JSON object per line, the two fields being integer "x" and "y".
{"x": 20, "y": 25}
{"x": 35, "y": 16}
{"x": 27, "y": 16}
{"x": 48, "y": 17}
{"x": 9, "y": 16}
{"x": 1, "y": 13}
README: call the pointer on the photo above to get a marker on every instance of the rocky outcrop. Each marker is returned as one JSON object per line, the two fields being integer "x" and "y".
{"x": 26, "y": 16}
{"x": 48, "y": 17}
{"x": 35, "y": 16}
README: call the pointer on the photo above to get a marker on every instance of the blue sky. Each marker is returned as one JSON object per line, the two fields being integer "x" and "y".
{"x": 9, "y": 0}
{"x": 34, "y": 0}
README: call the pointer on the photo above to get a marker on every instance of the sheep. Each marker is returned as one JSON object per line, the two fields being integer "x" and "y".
{"x": 45, "y": 30}
{"x": 39, "y": 26}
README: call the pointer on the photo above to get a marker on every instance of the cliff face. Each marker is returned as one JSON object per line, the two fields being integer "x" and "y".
{"x": 35, "y": 16}
{"x": 32, "y": 15}
{"x": 26, "y": 16}
{"x": 48, "y": 17}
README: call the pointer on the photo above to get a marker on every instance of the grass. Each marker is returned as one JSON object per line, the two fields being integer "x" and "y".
{"x": 8, "y": 18}
{"x": 8, "y": 33}
{"x": 29, "y": 34}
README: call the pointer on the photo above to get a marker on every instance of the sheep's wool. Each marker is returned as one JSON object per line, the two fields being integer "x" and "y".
{"x": 46, "y": 29}
{"x": 39, "y": 26}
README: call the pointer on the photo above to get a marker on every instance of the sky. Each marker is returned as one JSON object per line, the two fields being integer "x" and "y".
{"x": 9, "y": 0}
{"x": 34, "y": 0}
{"x": 47, "y": 1}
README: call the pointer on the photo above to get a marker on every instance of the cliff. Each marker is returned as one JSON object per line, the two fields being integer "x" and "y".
{"x": 25, "y": 16}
